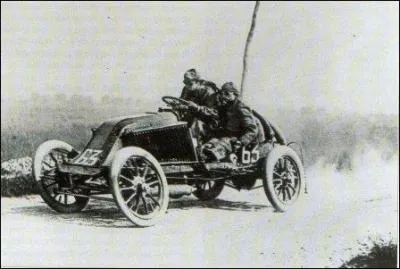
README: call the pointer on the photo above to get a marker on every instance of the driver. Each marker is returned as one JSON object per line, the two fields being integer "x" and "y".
{"x": 239, "y": 127}
{"x": 202, "y": 102}
{"x": 197, "y": 90}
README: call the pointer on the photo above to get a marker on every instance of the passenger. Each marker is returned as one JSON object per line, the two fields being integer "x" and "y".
{"x": 238, "y": 126}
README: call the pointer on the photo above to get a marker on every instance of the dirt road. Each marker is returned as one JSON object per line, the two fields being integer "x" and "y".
{"x": 239, "y": 229}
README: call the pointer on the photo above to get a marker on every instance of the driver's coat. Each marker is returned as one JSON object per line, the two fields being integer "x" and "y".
{"x": 237, "y": 124}
{"x": 237, "y": 121}
{"x": 200, "y": 92}
{"x": 204, "y": 94}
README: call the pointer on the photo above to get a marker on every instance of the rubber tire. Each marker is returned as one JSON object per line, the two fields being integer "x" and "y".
{"x": 44, "y": 149}
{"x": 119, "y": 159}
{"x": 269, "y": 163}
{"x": 212, "y": 193}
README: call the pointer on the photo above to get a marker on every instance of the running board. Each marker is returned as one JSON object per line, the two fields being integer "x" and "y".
{"x": 88, "y": 196}
{"x": 79, "y": 170}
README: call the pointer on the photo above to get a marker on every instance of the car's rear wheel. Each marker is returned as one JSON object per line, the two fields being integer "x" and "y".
{"x": 139, "y": 186}
{"x": 52, "y": 184}
{"x": 209, "y": 190}
{"x": 283, "y": 177}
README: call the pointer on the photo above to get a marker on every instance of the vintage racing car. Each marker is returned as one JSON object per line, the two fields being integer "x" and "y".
{"x": 141, "y": 159}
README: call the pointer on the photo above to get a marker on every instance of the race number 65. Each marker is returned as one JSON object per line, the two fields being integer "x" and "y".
{"x": 250, "y": 156}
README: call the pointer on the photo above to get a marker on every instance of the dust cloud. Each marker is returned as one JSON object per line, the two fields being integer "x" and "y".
{"x": 369, "y": 175}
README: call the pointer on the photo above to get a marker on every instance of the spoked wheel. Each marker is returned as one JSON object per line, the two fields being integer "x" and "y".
{"x": 283, "y": 177}
{"x": 139, "y": 186}
{"x": 209, "y": 190}
{"x": 51, "y": 182}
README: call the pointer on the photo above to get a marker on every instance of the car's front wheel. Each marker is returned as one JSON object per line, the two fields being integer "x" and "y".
{"x": 139, "y": 186}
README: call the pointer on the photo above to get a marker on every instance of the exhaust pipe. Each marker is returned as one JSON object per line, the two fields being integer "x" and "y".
{"x": 177, "y": 191}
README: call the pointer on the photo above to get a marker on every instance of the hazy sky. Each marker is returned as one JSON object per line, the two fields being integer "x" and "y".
{"x": 337, "y": 55}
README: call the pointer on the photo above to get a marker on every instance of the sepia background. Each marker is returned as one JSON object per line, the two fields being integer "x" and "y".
{"x": 338, "y": 55}
{"x": 327, "y": 73}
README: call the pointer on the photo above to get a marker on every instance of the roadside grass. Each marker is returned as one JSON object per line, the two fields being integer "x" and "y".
{"x": 378, "y": 254}
{"x": 18, "y": 186}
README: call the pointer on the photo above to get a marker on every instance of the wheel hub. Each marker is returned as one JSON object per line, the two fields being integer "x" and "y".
{"x": 285, "y": 179}
{"x": 140, "y": 185}
{"x": 137, "y": 180}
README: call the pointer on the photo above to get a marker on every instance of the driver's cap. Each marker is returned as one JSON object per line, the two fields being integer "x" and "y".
{"x": 229, "y": 86}
{"x": 191, "y": 74}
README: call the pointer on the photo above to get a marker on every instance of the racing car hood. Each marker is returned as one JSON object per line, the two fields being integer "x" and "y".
{"x": 107, "y": 134}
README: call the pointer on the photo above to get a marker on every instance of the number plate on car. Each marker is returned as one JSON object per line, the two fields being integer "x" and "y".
{"x": 88, "y": 157}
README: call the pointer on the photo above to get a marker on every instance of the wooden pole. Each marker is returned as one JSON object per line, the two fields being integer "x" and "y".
{"x": 246, "y": 48}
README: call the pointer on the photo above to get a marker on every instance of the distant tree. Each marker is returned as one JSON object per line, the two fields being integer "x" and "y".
{"x": 81, "y": 99}
{"x": 106, "y": 99}
{"x": 60, "y": 98}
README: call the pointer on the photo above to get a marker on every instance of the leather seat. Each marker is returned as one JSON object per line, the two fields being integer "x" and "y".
{"x": 261, "y": 134}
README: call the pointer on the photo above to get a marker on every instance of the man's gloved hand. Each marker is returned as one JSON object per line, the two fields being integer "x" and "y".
{"x": 192, "y": 106}
{"x": 236, "y": 145}
{"x": 181, "y": 107}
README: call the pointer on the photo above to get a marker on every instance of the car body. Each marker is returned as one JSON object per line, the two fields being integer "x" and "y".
{"x": 140, "y": 159}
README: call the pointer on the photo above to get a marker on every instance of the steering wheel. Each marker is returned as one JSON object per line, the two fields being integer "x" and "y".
{"x": 174, "y": 101}
{"x": 212, "y": 123}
